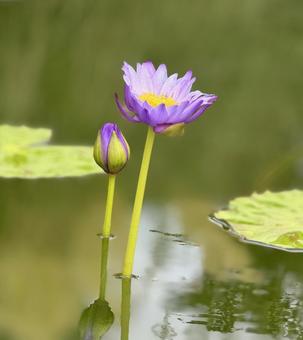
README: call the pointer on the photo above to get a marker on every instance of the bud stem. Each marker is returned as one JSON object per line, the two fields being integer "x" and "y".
{"x": 103, "y": 274}
{"x": 133, "y": 233}
{"x": 109, "y": 206}
{"x": 106, "y": 234}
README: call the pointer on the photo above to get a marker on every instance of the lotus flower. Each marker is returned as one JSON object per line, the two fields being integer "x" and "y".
{"x": 161, "y": 101}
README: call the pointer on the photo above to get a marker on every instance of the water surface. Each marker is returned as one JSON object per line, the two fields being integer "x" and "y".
{"x": 194, "y": 282}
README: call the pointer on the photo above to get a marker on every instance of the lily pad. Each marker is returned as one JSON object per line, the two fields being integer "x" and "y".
{"x": 96, "y": 320}
{"x": 270, "y": 219}
{"x": 22, "y": 136}
{"x": 24, "y": 154}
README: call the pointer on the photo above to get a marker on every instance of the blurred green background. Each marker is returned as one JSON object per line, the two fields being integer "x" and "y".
{"x": 60, "y": 64}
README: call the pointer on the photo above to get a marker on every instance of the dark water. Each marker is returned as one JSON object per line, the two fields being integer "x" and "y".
{"x": 59, "y": 67}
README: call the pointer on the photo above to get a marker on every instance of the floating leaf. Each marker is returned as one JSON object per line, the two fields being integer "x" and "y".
{"x": 22, "y": 136}
{"x": 96, "y": 320}
{"x": 269, "y": 219}
{"x": 23, "y": 156}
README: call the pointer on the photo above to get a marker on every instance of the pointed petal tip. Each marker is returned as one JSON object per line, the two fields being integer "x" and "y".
{"x": 126, "y": 67}
{"x": 212, "y": 98}
{"x": 117, "y": 100}
{"x": 189, "y": 73}
{"x": 125, "y": 113}
{"x": 149, "y": 62}
{"x": 162, "y": 67}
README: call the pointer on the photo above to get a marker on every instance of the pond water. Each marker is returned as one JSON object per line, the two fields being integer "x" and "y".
{"x": 195, "y": 281}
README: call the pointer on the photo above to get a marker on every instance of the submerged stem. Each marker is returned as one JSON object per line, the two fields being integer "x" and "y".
{"x": 125, "y": 308}
{"x": 109, "y": 206}
{"x": 133, "y": 233}
{"x": 103, "y": 274}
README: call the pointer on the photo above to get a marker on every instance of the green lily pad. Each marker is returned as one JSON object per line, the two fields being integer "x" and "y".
{"x": 96, "y": 320}
{"x": 269, "y": 219}
{"x": 24, "y": 154}
{"x": 22, "y": 136}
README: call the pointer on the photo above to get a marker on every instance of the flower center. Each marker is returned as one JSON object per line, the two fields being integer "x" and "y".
{"x": 155, "y": 100}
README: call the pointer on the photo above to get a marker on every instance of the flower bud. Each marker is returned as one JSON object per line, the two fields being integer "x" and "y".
{"x": 111, "y": 151}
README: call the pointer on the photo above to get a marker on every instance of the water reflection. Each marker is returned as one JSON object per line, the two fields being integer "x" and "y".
{"x": 97, "y": 319}
{"x": 195, "y": 281}
{"x": 164, "y": 330}
{"x": 273, "y": 308}
{"x": 254, "y": 297}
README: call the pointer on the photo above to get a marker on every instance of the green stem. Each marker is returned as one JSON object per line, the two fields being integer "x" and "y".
{"x": 109, "y": 206}
{"x": 125, "y": 308}
{"x": 106, "y": 234}
{"x": 104, "y": 261}
{"x": 133, "y": 232}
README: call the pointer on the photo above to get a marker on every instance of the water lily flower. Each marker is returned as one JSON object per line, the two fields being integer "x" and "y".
{"x": 161, "y": 101}
{"x": 111, "y": 151}
{"x": 166, "y": 105}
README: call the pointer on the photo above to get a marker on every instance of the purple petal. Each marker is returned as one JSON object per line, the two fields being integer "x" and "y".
{"x": 159, "y": 78}
{"x": 122, "y": 140}
{"x": 176, "y": 113}
{"x": 149, "y": 67}
{"x": 146, "y": 83}
{"x": 190, "y": 109}
{"x": 169, "y": 84}
{"x": 182, "y": 87}
{"x": 129, "y": 99}
{"x": 130, "y": 75}
{"x": 210, "y": 98}
{"x": 131, "y": 78}
{"x": 124, "y": 112}
{"x": 201, "y": 110}
{"x": 135, "y": 105}
{"x": 194, "y": 95}
{"x": 144, "y": 116}
{"x": 158, "y": 115}
{"x": 197, "y": 114}
{"x": 185, "y": 89}
{"x": 106, "y": 134}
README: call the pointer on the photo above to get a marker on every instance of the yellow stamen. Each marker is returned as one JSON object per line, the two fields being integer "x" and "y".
{"x": 155, "y": 100}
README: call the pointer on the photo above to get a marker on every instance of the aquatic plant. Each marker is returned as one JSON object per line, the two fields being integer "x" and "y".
{"x": 111, "y": 153}
{"x": 25, "y": 153}
{"x": 164, "y": 103}
{"x": 96, "y": 320}
{"x": 270, "y": 219}
{"x": 153, "y": 98}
